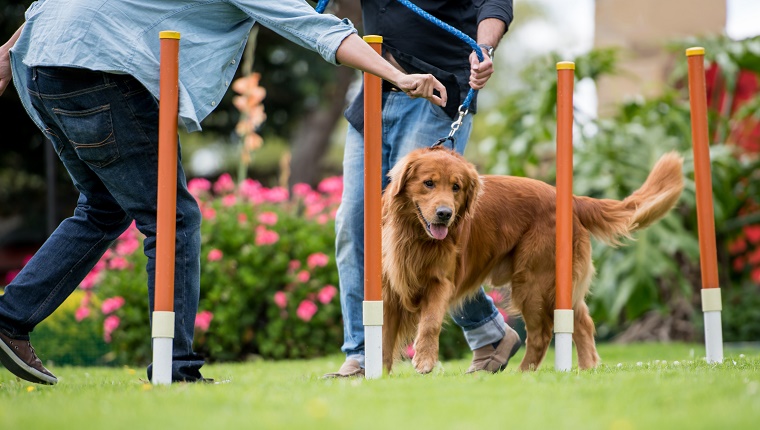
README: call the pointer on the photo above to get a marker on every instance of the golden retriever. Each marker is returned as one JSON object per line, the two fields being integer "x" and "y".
{"x": 446, "y": 230}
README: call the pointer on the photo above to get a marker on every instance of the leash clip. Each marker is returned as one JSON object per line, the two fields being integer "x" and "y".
{"x": 458, "y": 123}
{"x": 454, "y": 127}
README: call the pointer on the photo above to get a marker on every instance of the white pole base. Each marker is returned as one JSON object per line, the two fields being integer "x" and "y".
{"x": 563, "y": 349}
{"x": 162, "y": 360}
{"x": 163, "y": 337}
{"x": 373, "y": 350}
{"x": 563, "y": 339}
{"x": 713, "y": 337}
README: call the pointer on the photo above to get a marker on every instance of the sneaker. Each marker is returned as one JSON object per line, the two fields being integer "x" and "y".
{"x": 19, "y": 358}
{"x": 351, "y": 368}
{"x": 494, "y": 358}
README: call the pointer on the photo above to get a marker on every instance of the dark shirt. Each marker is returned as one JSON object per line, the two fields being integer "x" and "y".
{"x": 419, "y": 46}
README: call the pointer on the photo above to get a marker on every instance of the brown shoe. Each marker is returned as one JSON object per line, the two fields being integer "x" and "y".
{"x": 19, "y": 358}
{"x": 494, "y": 359}
{"x": 351, "y": 368}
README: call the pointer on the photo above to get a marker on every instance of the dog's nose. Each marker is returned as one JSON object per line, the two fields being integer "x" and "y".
{"x": 443, "y": 213}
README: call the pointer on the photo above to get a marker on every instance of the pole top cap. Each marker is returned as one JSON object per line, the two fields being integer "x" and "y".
{"x": 697, "y": 50}
{"x": 565, "y": 65}
{"x": 373, "y": 38}
{"x": 168, "y": 35}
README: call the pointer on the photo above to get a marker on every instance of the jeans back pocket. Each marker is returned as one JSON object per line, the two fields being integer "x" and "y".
{"x": 91, "y": 134}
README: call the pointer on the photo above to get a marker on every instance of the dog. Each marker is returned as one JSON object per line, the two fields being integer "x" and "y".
{"x": 446, "y": 230}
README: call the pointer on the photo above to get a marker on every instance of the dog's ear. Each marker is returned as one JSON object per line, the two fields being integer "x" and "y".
{"x": 473, "y": 188}
{"x": 400, "y": 174}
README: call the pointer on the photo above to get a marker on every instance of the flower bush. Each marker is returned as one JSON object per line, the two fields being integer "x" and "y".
{"x": 268, "y": 276}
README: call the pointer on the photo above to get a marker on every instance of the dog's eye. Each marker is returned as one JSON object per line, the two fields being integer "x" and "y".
{"x": 456, "y": 187}
{"x": 429, "y": 183}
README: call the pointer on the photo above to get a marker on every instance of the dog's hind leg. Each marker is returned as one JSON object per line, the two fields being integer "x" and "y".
{"x": 538, "y": 326}
{"x": 583, "y": 336}
{"x": 529, "y": 293}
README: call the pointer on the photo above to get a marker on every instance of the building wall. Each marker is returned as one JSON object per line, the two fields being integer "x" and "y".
{"x": 642, "y": 28}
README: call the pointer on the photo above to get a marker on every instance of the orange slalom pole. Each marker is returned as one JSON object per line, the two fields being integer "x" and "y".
{"x": 373, "y": 141}
{"x": 167, "y": 172}
{"x": 563, "y": 314}
{"x": 708, "y": 256}
{"x": 163, "y": 312}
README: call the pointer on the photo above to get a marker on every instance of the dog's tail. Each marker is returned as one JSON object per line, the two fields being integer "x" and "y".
{"x": 612, "y": 220}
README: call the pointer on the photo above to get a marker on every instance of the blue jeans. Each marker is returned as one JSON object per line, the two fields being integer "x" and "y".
{"x": 104, "y": 128}
{"x": 408, "y": 124}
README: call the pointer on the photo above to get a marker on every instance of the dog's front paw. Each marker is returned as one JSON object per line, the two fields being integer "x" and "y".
{"x": 424, "y": 363}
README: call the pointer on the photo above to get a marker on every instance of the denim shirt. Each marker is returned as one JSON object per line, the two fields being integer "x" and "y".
{"x": 118, "y": 36}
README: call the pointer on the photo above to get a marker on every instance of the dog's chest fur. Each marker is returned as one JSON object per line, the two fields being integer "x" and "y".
{"x": 413, "y": 263}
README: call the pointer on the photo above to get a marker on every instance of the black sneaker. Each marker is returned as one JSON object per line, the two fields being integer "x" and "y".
{"x": 19, "y": 358}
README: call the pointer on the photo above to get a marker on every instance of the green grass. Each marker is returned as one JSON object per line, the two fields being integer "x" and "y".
{"x": 637, "y": 387}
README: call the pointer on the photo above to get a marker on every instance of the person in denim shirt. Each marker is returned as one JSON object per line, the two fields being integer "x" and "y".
{"x": 414, "y": 45}
{"x": 87, "y": 72}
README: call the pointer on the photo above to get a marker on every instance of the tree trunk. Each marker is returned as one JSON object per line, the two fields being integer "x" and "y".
{"x": 311, "y": 140}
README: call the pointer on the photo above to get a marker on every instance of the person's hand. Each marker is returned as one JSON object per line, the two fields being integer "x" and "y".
{"x": 480, "y": 71}
{"x": 422, "y": 86}
{"x": 5, "y": 69}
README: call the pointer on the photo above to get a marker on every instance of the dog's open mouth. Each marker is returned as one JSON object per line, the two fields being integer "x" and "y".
{"x": 437, "y": 231}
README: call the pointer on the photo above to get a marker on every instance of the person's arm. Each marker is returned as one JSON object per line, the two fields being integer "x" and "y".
{"x": 493, "y": 21}
{"x": 5, "y": 61}
{"x": 354, "y": 52}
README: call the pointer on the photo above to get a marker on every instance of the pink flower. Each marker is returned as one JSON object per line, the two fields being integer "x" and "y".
{"x": 224, "y": 184}
{"x": 280, "y": 299}
{"x": 252, "y": 190}
{"x": 326, "y": 294}
{"x": 317, "y": 259}
{"x": 111, "y": 305}
{"x": 198, "y": 186}
{"x": 410, "y": 350}
{"x": 306, "y": 310}
{"x": 10, "y": 276}
{"x": 242, "y": 218}
{"x": 276, "y": 195}
{"x": 268, "y": 218}
{"x": 82, "y": 313}
{"x": 322, "y": 219}
{"x": 301, "y": 190}
{"x": 127, "y": 245}
{"x": 118, "y": 263}
{"x": 215, "y": 255}
{"x": 229, "y": 200}
{"x": 332, "y": 185}
{"x": 303, "y": 276}
{"x": 314, "y": 209}
{"x": 294, "y": 265}
{"x": 265, "y": 237}
{"x": 110, "y": 324}
{"x": 203, "y": 320}
{"x": 497, "y": 297}
{"x": 208, "y": 213}
{"x": 90, "y": 280}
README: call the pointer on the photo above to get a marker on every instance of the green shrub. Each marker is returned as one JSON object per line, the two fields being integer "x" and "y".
{"x": 65, "y": 341}
{"x": 268, "y": 276}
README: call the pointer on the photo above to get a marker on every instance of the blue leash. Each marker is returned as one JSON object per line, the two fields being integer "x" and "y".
{"x": 464, "y": 107}
{"x": 322, "y": 5}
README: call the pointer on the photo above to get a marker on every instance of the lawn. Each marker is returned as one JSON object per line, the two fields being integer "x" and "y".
{"x": 638, "y": 387}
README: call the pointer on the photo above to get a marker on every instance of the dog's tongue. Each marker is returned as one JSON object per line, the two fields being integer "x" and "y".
{"x": 439, "y": 231}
